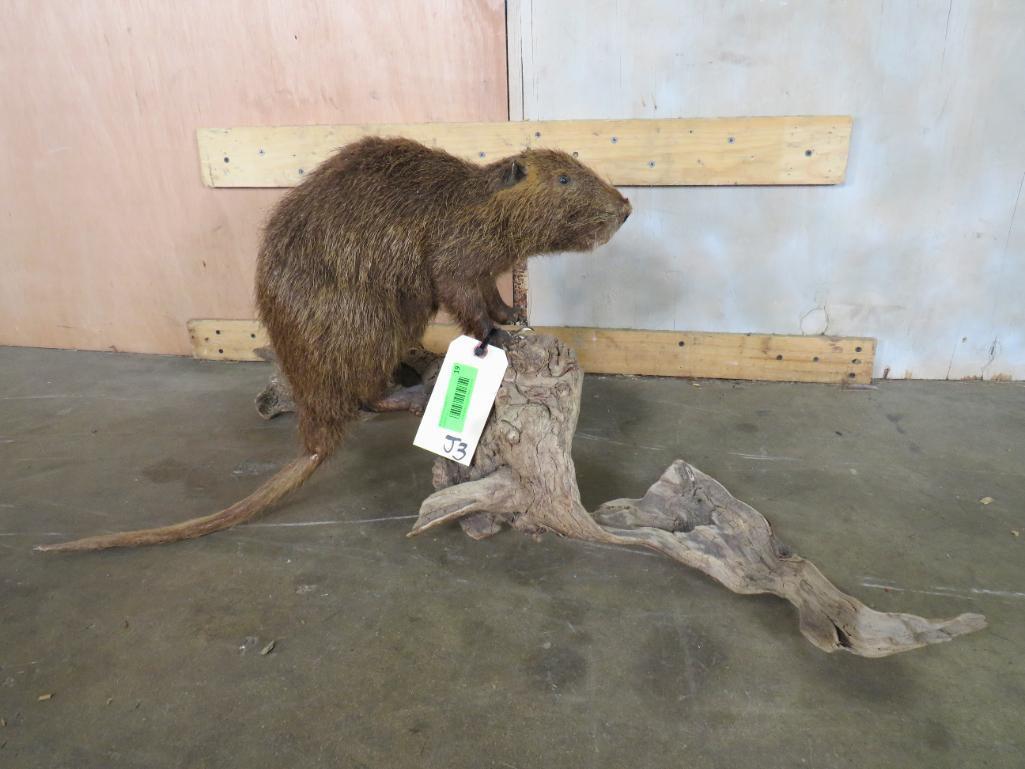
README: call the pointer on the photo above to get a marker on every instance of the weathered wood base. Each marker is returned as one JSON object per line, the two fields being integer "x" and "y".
{"x": 523, "y": 476}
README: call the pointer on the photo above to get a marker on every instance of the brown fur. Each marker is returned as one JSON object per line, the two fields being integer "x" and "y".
{"x": 356, "y": 260}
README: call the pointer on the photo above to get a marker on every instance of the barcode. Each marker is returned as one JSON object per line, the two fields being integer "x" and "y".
{"x": 457, "y": 405}
{"x": 458, "y": 394}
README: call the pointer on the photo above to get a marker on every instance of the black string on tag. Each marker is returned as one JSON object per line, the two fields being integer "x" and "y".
{"x": 482, "y": 349}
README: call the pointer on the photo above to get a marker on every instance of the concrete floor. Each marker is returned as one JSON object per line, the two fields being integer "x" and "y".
{"x": 443, "y": 652}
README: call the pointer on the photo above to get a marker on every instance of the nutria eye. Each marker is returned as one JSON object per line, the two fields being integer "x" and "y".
{"x": 564, "y": 179}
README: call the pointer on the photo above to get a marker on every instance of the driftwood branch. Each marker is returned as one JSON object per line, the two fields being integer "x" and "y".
{"x": 523, "y": 476}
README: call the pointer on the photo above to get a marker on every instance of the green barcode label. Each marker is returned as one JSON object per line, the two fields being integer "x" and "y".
{"x": 457, "y": 398}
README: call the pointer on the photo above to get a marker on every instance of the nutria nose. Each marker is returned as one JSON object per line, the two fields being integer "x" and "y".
{"x": 627, "y": 209}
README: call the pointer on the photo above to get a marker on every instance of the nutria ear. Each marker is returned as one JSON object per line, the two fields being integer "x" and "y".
{"x": 513, "y": 172}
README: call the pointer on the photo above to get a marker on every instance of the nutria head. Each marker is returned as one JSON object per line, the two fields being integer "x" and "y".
{"x": 553, "y": 202}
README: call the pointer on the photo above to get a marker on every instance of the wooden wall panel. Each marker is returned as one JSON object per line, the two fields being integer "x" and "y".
{"x": 647, "y": 153}
{"x": 762, "y": 357}
{"x": 108, "y": 238}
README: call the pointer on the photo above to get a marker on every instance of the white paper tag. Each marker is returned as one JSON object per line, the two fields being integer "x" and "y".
{"x": 461, "y": 400}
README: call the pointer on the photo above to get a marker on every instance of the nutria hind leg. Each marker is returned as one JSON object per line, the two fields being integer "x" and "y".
{"x": 275, "y": 398}
{"x": 499, "y": 311}
{"x": 412, "y": 399}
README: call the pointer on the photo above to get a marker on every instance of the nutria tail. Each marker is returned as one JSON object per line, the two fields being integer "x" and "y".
{"x": 287, "y": 479}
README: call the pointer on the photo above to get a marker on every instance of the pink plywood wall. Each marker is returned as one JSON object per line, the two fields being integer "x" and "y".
{"x": 108, "y": 239}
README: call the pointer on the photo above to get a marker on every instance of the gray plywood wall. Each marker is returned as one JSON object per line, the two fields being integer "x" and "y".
{"x": 920, "y": 247}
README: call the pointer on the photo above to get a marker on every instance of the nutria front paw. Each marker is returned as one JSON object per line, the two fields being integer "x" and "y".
{"x": 505, "y": 315}
{"x": 500, "y": 338}
{"x": 516, "y": 318}
{"x": 497, "y": 337}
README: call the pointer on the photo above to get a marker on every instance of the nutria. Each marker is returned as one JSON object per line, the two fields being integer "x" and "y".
{"x": 356, "y": 260}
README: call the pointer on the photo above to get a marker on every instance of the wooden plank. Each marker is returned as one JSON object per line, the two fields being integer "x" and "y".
{"x": 664, "y": 152}
{"x": 762, "y": 357}
{"x": 226, "y": 339}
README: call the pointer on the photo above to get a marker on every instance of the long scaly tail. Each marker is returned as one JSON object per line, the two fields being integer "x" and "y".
{"x": 286, "y": 480}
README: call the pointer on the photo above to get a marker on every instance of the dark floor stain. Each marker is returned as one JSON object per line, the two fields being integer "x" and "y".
{"x": 165, "y": 471}
{"x": 895, "y": 418}
{"x": 418, "y": 727}
{"x": 937, "y": 736}
{"x": 747, "y": 427}
{"x": 559, "y": 668}
{"x": 914, "y": 448}
{"x": 198, "y": 480}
